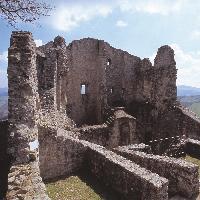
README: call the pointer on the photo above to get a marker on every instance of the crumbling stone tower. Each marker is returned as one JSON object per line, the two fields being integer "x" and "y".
{"x": 89, "y": 106}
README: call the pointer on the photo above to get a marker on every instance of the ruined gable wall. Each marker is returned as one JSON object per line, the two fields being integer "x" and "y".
{"x": 121, "y": 76}
{"x": 113, "y": 84}
{"x": 123, "y": 81}
{"x": 84, "y": 68}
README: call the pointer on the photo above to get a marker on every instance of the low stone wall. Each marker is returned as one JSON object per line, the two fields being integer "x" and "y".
{"x": 192, "y": 148}
{"x": 124, "y": 176}
{"x": 135, "y": 147}
{"x": 4, "y": 161}
{"x": 183, "y": 176}
{"x": 98, "y": 134}
{"x": 59, "y": 155}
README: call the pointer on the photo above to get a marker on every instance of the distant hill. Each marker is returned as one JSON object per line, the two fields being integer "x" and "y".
{"x": 187, "y": 95}
{"x": 183, "y": 90}
{"x": 3, "y": 92}
{"x": 3, "y": 103}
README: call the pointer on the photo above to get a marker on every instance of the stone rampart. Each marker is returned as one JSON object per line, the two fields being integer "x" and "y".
{"x": 183, "y": 176}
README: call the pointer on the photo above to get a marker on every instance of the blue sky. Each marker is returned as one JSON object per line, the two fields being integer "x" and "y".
{"x": 137, "y": 26}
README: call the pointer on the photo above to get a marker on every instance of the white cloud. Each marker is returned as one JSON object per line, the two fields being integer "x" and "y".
{"x": 4, "y": 56}
{"x": 38, "y": 42}
{"x": 188, "y": 65}
{"x": 68, "y": 17}
{"x": 163, "y": 7}
{"x": 121, "y": 23}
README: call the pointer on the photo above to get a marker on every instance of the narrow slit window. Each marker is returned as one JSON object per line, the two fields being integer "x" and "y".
{"x": 108, "y": 62}
{"x": 111, "y": 90}
{"x": 83, "y": 89}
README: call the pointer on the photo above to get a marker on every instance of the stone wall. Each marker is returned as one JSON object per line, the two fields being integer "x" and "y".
{"x": 69, "y": 155}
{"x": 183, "y": 176}
{"x": 24, "y": 181}
{"x": 123, "y": 129}
{"x": 192, "y": 148}
{"x": 124, "y": 176}
{"x": 119, "y": 129}
{"x": 111, "y": 77}
{"x": 4, "y": 160}
{"x": 98, "y": 134}
{"x": 175, "y": 123}
{"x": 165, "y": 92}
{"x": 45, "y": 91}
{"x": 23, "y": 98}
{"x": 189, "y": 123}
{"x": 57, "y": 151}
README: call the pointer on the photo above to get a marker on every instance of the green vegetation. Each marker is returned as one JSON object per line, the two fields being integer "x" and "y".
{"x": 3, "y": 100}
{"x": 72, "y": 188}
{"x": 195, "y": 107}
{"x": 193, "y": 160}
{"x": 3, "y": 107}
{"x": 192, "y": 102}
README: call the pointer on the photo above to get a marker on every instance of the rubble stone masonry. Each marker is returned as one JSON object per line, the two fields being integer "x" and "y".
{"x": 70, "y": 104}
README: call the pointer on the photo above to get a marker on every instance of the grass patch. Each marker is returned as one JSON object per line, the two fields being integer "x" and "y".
{"x": 193, "y": 160}
{"x": 195, "y": 107}
{"x": 72, "y": 188}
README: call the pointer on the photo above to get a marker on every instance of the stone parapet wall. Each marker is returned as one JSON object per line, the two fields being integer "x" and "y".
{"x": 124, "y": 176}
{"x": 71, "y": 155}
{"x": 134, "y": 147}
{"x": 98, "y": 134}
{"x": 183, "y": 176}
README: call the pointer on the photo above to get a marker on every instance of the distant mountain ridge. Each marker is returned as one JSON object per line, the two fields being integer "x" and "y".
{"x": 3, "y": 92}
{"x": 188, "y": 96}
{"x": 3, "y": 103}
{"x": 183, "y": 90}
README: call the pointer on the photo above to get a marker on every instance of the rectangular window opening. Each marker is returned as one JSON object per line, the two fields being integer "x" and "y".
{"x": 111, "y": 90}
{"x": 83, "y": 89}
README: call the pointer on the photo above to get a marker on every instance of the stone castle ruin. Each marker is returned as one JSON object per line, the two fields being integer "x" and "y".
{"x": 89, "y": 106}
